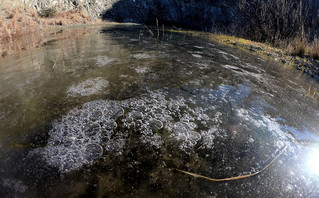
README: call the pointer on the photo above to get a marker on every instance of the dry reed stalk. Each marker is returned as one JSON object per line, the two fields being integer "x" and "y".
{"x": 53, "y": 22}
{"x": 6, "y": 33}
{"x": 14, "y": 22}
{"x": 17, "y": 47}
{"x": 44, "y": 22}
{"x": 237, "y": 177}
{"x": 18, "y": 32}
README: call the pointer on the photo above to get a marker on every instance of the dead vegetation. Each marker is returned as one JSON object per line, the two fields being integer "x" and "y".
{"x": 21, "y": 22}
{"x": 284, "y": 24}
{"x": 302, "y": 48}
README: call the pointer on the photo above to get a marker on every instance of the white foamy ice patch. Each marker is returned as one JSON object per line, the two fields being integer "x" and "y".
{"x": 231, "y": 67}
{"x": 185, "y": 133}
{"x": 79, "y": 137}
{"x": 240, "y": 71}
{"x": 102, "y": 61}
{"x": 152, "y": 112}
{"x": 88, "y": 87}
{"x": 263, "y": 121}
{"x": 141, "y": 56}
{"x": 227, "y": 55}
{"x": 197, "y": 55}
{"x": 198, "y": 47}
{"x": 141, "y": 70}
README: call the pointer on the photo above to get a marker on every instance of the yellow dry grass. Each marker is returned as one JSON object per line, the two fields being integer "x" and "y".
{"x": 18, "y": 22}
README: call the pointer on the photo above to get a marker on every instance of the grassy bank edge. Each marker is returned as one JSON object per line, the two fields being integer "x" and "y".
{"x": 265, "y": 51}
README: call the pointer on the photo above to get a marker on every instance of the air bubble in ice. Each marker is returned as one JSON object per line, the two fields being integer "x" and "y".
{"x": 91, "y": 129}
{"x": 93, "y": 151}
{"x": 156, "y": 125}
{"x": 194, "y": 136}
{"x": 96, "y": 115}
{"x": 112, "y": 146}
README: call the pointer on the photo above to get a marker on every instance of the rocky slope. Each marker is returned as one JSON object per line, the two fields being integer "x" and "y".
{"x": 95, "y": 8}
{"x": 185, "y": 13}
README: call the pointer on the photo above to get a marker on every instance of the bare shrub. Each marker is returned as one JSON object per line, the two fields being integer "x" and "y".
{"x": 273, "y": 21}
{"x": 48, "y": 13}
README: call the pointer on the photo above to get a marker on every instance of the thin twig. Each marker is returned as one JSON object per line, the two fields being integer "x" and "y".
{"x": 157, "y": 28}
{"x": 233, "y": 178}
{"x": 177, "y": 28}
{"x": 163, "y": 31}
{"x": 150, "y": 31}
{"x": 56, "y": 59}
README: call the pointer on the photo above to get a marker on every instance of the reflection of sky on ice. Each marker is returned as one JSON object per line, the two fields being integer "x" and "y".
{"x": 313, "y": 160}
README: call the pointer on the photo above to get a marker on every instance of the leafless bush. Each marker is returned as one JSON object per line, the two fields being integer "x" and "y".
{"x": 274, "y": 21}
{"x": 48, "y": 13}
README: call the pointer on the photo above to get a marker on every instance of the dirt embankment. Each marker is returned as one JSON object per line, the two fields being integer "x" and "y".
{"x": 18, "y": 22}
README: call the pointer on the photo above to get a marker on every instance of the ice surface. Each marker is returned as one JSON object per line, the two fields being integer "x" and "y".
{"x": 88, "y": 87}
{"x": 77, "y": 138}
{"x": 141, "y": 56}
{"x": 83, "y": 135}
{"x": 103, "y": 61}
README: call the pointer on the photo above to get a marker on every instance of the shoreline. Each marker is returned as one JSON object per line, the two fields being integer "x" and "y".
{"x": 25, "y": 31}
{"x": 19, "y": 24}
{"x": 307, "y": 66}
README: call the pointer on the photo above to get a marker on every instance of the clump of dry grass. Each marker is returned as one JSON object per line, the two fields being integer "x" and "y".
{"x": 48, "y": 13}
{"x": 314, "y": 52}
{"x": 298, "y": 47}
{"x": 303, "y": 48}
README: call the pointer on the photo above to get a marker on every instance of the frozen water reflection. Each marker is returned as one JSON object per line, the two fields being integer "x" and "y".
{"x": 117, "y": 114}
